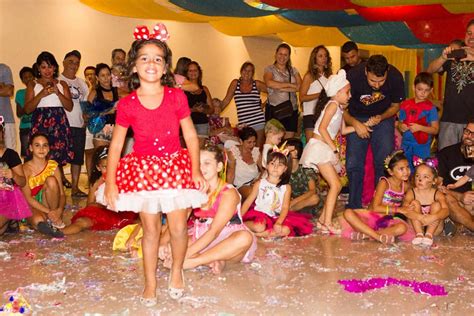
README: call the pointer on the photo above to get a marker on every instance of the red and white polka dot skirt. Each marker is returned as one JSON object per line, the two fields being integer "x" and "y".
{"x": 152, "y": 184}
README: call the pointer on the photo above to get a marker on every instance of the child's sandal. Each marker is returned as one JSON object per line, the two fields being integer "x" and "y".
{"x": 427, "y": 240}
{"x": 358, "y": 236}
{"x": 386, "y": 239}
{"x": 418, "y": 239}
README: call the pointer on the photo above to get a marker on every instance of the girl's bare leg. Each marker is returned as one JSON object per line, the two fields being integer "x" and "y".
{"x": 178, "y": 228}
{"x": 332, "y": 178}
{"x": 79, "y": 225}
{"x": 151, "y": 224}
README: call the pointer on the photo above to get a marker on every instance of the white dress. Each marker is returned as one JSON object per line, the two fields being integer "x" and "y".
{"x": 318, "y": 152}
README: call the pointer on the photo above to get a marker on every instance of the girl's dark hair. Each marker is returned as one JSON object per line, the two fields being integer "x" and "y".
{"x": 312, "y": 67}
{"x": 49, "y": 59}
{"x": 321, "y": 104}
{"x": 247, "y": 132}
{"x": 101, "y": 66}
{"x": 35, "y": 136}
{"x": 182, "y": 66}
{"x": 245, "y": 65}
{"x": 199, "y": 79}
{"x": 393, "y": 159}
{"x": 24, "y": 70}
{"x": 288, "y": 63}
{"x": 295, "y": 142}
{"x": 96, "y": 173}
{"x": 277, "y": 156}
{"x": 133, "y": 81}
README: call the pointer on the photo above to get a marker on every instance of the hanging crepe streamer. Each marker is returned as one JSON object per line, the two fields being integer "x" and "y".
{"x": 361, "y": 286}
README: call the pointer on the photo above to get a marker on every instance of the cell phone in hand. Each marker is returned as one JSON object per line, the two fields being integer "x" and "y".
{"x": 457, "y": 54}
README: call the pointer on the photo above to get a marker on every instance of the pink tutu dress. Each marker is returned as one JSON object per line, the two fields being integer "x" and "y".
{"x": 13, "y": 204}
{"x": 204, "y": 220}
{"x": 267, "y": 208}
{"x": 378, "y": 221}
{"x": 156, "y": 176}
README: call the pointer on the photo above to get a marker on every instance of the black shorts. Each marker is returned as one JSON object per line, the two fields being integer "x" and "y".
{"x": 290, "y": 123}
{"x": 78, "y": 144}
{"x": 308, "y": 122}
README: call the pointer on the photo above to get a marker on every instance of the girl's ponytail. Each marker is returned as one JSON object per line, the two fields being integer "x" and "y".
{"x": 322, "y": 101}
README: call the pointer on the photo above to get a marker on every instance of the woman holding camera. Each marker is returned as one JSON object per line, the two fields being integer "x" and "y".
{"x": 48, "y": 98}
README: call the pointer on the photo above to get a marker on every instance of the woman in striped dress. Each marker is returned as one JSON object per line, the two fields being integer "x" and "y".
{"x": 246, "y": 93}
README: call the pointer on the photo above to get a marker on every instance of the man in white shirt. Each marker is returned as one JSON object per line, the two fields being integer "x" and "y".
{"x": 79, "y": 92}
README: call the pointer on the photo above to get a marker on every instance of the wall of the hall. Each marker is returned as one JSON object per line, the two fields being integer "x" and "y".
{"x": 31, "y": 26}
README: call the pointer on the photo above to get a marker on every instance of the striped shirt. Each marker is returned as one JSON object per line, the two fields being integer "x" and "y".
{"x": 248, "y": 106}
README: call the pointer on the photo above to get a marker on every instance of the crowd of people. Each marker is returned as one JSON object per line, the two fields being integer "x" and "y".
{"x": 161, "y": 158}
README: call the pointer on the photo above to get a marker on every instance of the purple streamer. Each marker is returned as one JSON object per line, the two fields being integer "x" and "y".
{"x": 361, "y": 286}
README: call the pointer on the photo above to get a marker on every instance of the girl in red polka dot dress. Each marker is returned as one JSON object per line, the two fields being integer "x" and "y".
{"x": 158, "y": 176}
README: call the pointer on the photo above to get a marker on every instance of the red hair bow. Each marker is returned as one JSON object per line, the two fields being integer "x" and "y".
{"x": 430, "y": 162}
{"x": 159, "y": 32}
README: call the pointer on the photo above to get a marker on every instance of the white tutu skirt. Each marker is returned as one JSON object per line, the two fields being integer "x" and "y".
{"x": 153, "y": 202}
{"x": 318, "y": 152}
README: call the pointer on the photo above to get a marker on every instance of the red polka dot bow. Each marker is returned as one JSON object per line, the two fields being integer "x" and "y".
{"x": 159, "y": 32}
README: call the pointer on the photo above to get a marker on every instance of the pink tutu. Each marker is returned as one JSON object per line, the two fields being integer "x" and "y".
{"x": 299, "y": 224}
{"x": 376, "y": 221}
{"x": 13, "y": 204}
{"x": 200, "y": 228}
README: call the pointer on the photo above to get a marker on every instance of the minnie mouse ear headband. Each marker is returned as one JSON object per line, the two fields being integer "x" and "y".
{"x": 336, "y": 83}
{"x": 159, "y": 32}
{"x": 430, "y": 162}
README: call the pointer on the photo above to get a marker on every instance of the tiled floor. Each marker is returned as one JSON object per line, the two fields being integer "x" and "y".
{"x": 82, "y": 275}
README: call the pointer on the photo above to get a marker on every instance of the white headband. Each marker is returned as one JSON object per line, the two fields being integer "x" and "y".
{"x": 336, "y": 83}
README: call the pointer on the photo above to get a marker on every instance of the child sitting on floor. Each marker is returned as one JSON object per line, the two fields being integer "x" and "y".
{"x": 430, "y": 204}
{"x": 274, "y": 132}
{"x": 44, "y": 190}
{"x": 96, "y": 216}
{"x": 270, "y": 216}
{"x": 383, "y": 222}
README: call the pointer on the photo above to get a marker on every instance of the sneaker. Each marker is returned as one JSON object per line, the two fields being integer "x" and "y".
{"x": 49, "y": 230}
{"x": 449, "y": 228}
{"x": 418, "y": 240}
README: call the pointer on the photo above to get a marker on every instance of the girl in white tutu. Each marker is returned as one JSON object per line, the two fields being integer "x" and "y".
{"x": 321, "y": 153}
{"x": 158, "y": 176}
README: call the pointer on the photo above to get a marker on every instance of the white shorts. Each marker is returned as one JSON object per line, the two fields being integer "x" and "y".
{"x": 318, "y": 152}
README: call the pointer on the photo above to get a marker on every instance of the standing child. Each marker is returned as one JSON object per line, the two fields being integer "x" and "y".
{"x": 13, "y": 206}
{"x": 321, "y": 153}
{"x": 95, "y": 216}
{"x": 44, "y": 190}
{"x": 274, "y": 132}
{"x": 383, "y": 221}
{"x": 418, "y": 120}
{"x": 159, "y": 175}
{"x": 270, "y": 215}
{"x": 430, "y": 204}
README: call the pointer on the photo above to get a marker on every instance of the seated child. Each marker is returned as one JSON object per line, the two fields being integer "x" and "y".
{"x": 430, "y": 204}
{"x": 418, "y": 120}
{"x": 384, "y": 221}
{"x": 95, "y": 216}
{"x": 44, "y": 191}
{"x": 304, "y": 192}
{"x": 13, "y": 206}
{"x": 270, "y": 216}
{"x": 274, "y": 132}
{"x": 218, "y": 125}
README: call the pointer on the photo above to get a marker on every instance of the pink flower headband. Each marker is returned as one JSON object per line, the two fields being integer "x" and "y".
{"x": 430, "y": 162}
{"x": 159, "y": 32}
